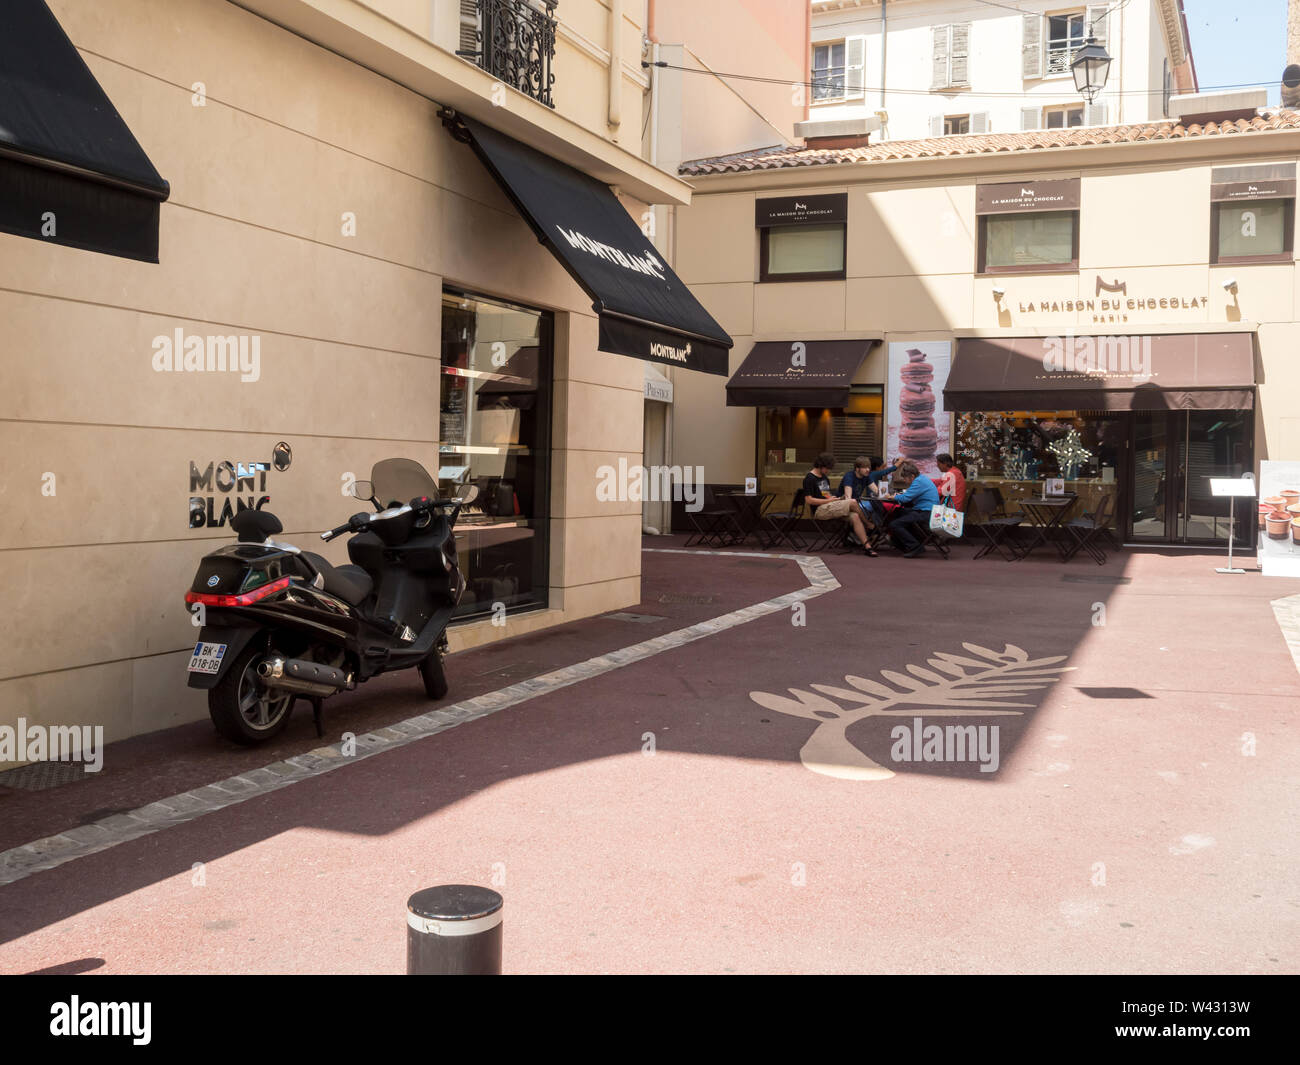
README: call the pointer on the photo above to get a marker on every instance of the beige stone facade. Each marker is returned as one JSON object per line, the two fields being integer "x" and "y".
{"x": 276, "y": 124}
{"x": 911, "y": 271}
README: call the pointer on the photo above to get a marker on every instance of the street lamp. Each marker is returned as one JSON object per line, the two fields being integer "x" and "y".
{"x": 1090, "y": 66}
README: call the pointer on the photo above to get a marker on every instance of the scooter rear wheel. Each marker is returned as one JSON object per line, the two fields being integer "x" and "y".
{"x": 242, "y": 708}
{"x": 435, "y": 679}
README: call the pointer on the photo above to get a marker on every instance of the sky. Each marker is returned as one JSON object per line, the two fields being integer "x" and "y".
{"x": 1239, "y": 42}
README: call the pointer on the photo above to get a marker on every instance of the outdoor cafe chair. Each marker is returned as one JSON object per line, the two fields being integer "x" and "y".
{"x": 778, "y": 528}
{"x": 714, "y": 523}
{"x": 1088, "y": 528}
{"x": 999, "y": 531}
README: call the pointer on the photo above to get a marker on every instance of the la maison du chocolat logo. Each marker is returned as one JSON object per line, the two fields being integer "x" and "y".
{"x": 1112, "y": 302}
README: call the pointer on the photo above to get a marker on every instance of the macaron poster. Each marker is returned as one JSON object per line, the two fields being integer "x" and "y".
{"x": 1278, "y": 513}
{"x": 916, "y": 425}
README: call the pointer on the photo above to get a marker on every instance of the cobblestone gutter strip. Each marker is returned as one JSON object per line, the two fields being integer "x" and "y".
{"x": 1287, "y": 612}
{"x": 52, "y": 851}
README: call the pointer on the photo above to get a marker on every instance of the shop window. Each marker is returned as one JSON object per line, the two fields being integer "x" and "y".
{"x": 1253, "y": 213}
{"x": 1029, "y": 242}
{"x": 803, "y": 252}
{"x": 494, "y": 432}
{"x": 789, "y": 438}
{"x": 1013, "y": 452}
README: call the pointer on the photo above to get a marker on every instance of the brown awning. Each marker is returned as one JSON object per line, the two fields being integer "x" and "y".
{"x": 1181, "y": 371}
{"x": 798, "y": 373}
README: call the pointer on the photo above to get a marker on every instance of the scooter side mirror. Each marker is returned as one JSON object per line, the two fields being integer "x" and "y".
{"x": 363, "y": 490}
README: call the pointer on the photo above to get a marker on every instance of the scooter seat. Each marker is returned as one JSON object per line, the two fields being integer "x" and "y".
{"x": 350, "y": 583}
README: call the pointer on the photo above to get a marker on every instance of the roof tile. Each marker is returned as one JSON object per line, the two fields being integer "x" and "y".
{"x": 782, "y": 156}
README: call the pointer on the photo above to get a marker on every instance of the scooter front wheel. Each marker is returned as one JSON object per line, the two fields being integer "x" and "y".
{"x": 243, "y": 709}
{"x": 435, "y": 679}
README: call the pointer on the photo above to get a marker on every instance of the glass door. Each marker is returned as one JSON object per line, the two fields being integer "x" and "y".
{"x": 1216, "y": 443}
{"x": 1150, "y": 495}
{"x": 1175, "y": 454}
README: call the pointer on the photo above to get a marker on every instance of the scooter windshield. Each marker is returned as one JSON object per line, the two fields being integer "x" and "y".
{"x": 399, "y": 481}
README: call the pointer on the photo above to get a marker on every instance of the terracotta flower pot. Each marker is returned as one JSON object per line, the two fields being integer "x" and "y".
{"x": 1278, "y": 524}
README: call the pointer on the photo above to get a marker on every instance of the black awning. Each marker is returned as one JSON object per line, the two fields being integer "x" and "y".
{"x": 790, "y": 373}
{"x": 70, "y": 171}
{"x": 645, "y": 310}
{"x": 1177, "y": 371}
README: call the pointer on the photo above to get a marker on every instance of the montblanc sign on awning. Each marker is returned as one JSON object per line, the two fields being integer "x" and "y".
{"x": 801, "y": 210}
{"x": 1013, "y": 196}
{"x": 644, "y": 308}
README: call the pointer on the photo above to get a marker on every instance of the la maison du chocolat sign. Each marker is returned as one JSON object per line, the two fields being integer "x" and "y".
{"x": 1112, "y": 302}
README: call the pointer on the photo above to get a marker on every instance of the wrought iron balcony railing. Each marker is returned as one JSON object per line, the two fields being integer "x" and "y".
{"x": 516, "y": 44}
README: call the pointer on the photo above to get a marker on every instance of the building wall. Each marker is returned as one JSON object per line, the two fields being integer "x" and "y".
{"x": 911, "y": 273}
{"x": 290, "y": 137}
{"x": 997, "y": 89}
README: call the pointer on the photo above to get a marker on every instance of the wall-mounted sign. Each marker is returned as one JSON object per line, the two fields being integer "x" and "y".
{"x": 1112, "y": 302}
{"x": 1269, "y": 181}
{"x": 230, "y": 487}
{"x": 1014, "y": 196}
{"x": 801, "y": 210}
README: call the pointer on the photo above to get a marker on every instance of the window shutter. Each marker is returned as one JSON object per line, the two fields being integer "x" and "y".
{"x": 1031, "y": 50}
{"x": 961, "y": 55}
{"x": 469, "y": 25}
{"x": 1099, "y": 19}
{"x": 1094, "y": 114}
{"x": 936, "y": 125}
{"x": 939, "y": 74}
{"x": 1031, "y": 118}
{"x": 855, "y": 60}
{"x": 979, "y": 122}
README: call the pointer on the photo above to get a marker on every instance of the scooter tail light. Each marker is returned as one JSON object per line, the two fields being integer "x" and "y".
{"x": 245, "y": 599}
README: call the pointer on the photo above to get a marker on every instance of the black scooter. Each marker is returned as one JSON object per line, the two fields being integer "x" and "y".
{"x": 281, "y": 624}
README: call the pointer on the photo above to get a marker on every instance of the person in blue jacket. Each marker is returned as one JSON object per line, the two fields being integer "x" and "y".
{"x": 915, "y": 501}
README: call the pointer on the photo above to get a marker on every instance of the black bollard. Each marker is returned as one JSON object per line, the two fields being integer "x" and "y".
{"x": 454, "y": 930}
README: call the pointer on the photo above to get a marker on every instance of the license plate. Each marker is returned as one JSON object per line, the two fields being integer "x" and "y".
{"x": 207, "y": 657}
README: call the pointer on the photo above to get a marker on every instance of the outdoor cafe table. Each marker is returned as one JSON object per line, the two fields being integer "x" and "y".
{"x": 749, "y": 510}
{"x": 1046, "y": 515}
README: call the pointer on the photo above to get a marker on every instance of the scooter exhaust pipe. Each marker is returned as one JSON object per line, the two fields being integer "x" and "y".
{"x": 299, "y": 675}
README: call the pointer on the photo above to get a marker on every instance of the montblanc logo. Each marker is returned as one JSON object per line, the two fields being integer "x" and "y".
{"x": 643, "y": 264}
{"x": 665, "y": 351}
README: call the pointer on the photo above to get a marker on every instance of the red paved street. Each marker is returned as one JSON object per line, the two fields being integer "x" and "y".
{"x": 1126, "y": 828}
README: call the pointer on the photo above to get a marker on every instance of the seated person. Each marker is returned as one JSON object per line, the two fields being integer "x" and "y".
{"x": 914, "y": 501}
{"x": 817, "y": 494}
{"x": 950, "y": 481}
{"x": 863, "y": 484}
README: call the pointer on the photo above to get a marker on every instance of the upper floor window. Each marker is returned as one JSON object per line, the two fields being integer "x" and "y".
{"x": 1065, "y": 36}
{"x": 513, "y": 40}
{"x": 1028, "y": 227}
{"x": 828, "y": 71}
{"x": 1062, "y": 117}
{"x": 1048, "y": 42}
{"x": 1253, "y": 213}
{"x": 954, "y": 125}
{"x": 837, "y": 70}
